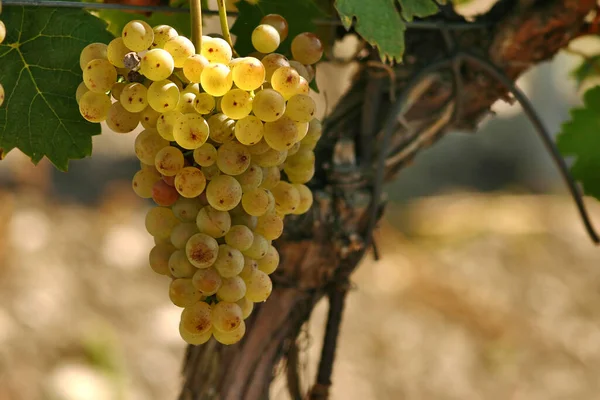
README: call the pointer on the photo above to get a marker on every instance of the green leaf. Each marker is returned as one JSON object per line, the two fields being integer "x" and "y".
{"x": 580, "y": 137}
{"x": 590, "y": 67}
{"x": 380, "y": 23}
{"x": 40, "y": 73}
{"x": 118, "y": 19}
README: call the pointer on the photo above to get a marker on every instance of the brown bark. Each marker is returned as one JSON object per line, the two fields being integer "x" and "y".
{"x": 321, "y": 249}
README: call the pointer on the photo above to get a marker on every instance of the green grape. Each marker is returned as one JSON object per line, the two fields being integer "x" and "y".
{"x": 92, "y": 106}
{"x": 259, "y": 247}
{"x": 307, "y": 48}
{"x": 162, "y": 34}
{"x": 302, "y": 71}
{"x": 116, "y": 51}
{"x": 301, "y": 108}
{"x": 246, "y": 305}
{"x": 99, "y": 76}
{"x": 207, "y": 281}
{"x": 213, "y": 222}
{"x": 182, "y": 293}
{"x": 301, "y": 176}
{"x": 248, "y": 73}
{"x": 186, "y": 103}
{"x": 163, "y": 194}
{"x": 302, "y": 131}
{"x": 258, "y": 286}
{"x": 193, "y": 67}
{"x": 149, "y": 118}
{"x": 265, "y": 38}
{"x": 221, "y": 128}
{"x": 190, "y": 131}
{"x": 315, "y": 130}
{"x": 211, "y": 172}
{"x": 202, "y": 250}
{"x": 239, "y": 237}
{"x": 157, "y": 65}
{"x": 93, "y": 51}
{"x": 205, "y": 155}
{"x": 169, "y": 161}
{"x": 271, "y": 158}
{"x": 216, "y": 79}
{"x": 250, "y": 265}
{"x": 223, "y": 192}
{"x": 268, "y": 264}
{"x": 166, "y": 124}
{"x": 306, "y": 199}
{"x": 268, "y": 105}
{"x": 229, "y": 262}
{"x": 244, "y": 219}
{"x": 226, "y": 316}
{"x": 160, "y": 222}
{"x": 204, "y": 104}
{"x": 285, "y": 80}
{"x": 196, "y": 319}
{"x": 137, "y": 35}
{"x": 294, "y": 149}
{"x": 232, "y": 289}
{"x": 119, "y": 120}
{"x": 216, "y": 50}
{"x": 233, "y": 158}
{"x": 281, "y": 134}
{"x": 271, "y": 177}
{"x": 272, "y": 62}
{"x": 251, "y": 178}
{"x": 81, "y": 90}
{"x": 261, "y": 147}
{"x": 186, "y": 209}
{"x": 195, "y": 339}
{"x": 236, "y": 104}
{"x": 249, "y": 130}
{"x": 277, "y": 22}
{"x": 269, "y": 225}
{"x": 163, "y": 96}
{"x": 181, "y": 234}
{"x": 256, "y": 202}
{"x": 287, "y": 197}
{"x": 147, "y": 144}
{"x": 143, "y": 181}
{"x": 159, "y": 258}
{"x": 180, "y": 48}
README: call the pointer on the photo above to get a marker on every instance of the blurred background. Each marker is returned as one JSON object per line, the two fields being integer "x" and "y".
{"x": 488, "y": 287}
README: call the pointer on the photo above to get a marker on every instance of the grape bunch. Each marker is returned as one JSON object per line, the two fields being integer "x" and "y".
{"x": 2, "y": 36}
{"x": 225, "y": 153}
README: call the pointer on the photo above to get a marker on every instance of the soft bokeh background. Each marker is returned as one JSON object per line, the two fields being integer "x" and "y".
{"x": 488, "y": 287}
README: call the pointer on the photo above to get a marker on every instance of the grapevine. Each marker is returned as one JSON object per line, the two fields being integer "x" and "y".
{"x": 225, "y": 154}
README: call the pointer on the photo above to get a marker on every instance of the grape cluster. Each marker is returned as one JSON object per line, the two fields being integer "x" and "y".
{"x": 218, "y": 132}
{"x": 2, "y": 37}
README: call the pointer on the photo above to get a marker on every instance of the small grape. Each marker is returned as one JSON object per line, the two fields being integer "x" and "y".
{"x": 301, "y": 108}
{"x": 271, "y": 177}
{"x": 307, "y": 48}
{"x": 143, "y": 182}
{"x": 285, "y": 80}
{"x": 246, "y": 305}
{"x": 92, "y": 51}
{"x": 157, "y": 65}
{"x": 250, "y": 265}
{"x": 300, "y": 176}
{"x": 303, "y": 159}
{"x": 233, "y": 158}
{"x": 251, "y": 178}
{"x": 163, "y": 96}
{"x": 281, "y": 134}
{"x": 196, "y": 319}
{"x": 229, "y": 338}
{"x": 265, "y": 38}
{"x": 259, "y": 247}
{"x": 268, "y": 264}
{"x": 269, "y": 225}
{"x": 190, "y": 131}
{"x": 287, "y": 197}
{"x": 236, "y": 104}
{"x": 258, "y": 286}
{"x": 207, "y": 281}
{"x": 202, "y": 250}
{"x": 190, "y": 182}
{"x": 116, "y": 51}
{"x": 216, "y": 79}
{"x": 249, "y": 130}
{"x": 81, "y": 90}
{"x": 315, "y": 130}
{"x": 302, "y": 131}
{"x": 277, "y": 22}
{"x": 294, "y": 149}
{"x": 268, "y": 105}
{"x": 182, "y": 293}
{"x": 137, "y": 35}
{"x": 186, "y": 103}
{"x": 180, "y": 48}
{"x": 182, "y": 233}
{"x": 221, "y": 128}
{"x": 166, "y": 124}
{"x": 193, "y": 67}
{"x": 223, "y": 192}
{"x": 239, "y": 237}
{"x": 160, "y": 222}
{"x": 169, "y": 161}
{"x": 248, "y": 74}
{"x": 119, "y": 120}
{"x": 271, "y": 158}
{"x": 216, "y": 50}
{"x": 92, "y": 106}
{"x": 186, "y": 209}
{"x": 163, "y": 194}
{"x": 303, "y": 87}
{"x": 260, "y": 147}
{"x": 311, "y": 73}
{"x": 302, "y": 71}
{"x": 149, "y": 118}
{"x": 147, "y": 144}
{"x": 99, "y": 76}
{"x": 232, "y": 289}
{"x": 272, "y": 62}
{"x": 306, "y": 199}
{"x": 159, "y": 258}
{"x": 205, "y": 155}
{"x": 211, "y": 172}
{"x": 244, "y": 219}
{"x": 226, "y": 316}
{"x": 256, "y": 202}
{"x": 162, "y": 34}
{"x": 229, "y": 262}
{"x": 213, "y": 222}
{"x": 204, "y": 104}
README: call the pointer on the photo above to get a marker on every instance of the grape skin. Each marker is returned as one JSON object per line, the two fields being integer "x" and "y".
{"x": 204, "y": 104}
{"x": 92, "y": 51}
{"x": 182, "y": 293}
{"x": 207, "y": 281}
{"x": 248, "y": 74}
{"x": 281, "y": 134}
{"x": 239, "y": 237}
{"x": 307, "y": 48}
{"x": 213, "y": 222}
{"x": 119, "y": 120}
{"x": 216, "y": 50}
{"x": 232, "y": 289}
{"x": 233, "y": 158}
{"x": 196, "y": 319}
{"x": 186, "y": 209}
{"x": 157, "y": 65}
{"x": 285, "y": 80}
{"x": 143, "y": 182}
{"x": 301, "y": 108}
{"x": 216, "y": 79}
{"x": 190, "y": 182}
{"x": 205, "y": 155}
{"x": 190, "y": 131}
{"x": 256, "y": 202}
{"x": 268, "y": 264}
{"x": 268, "y": 105}
{"x": 249, "y": 130}
{"x": 259, "y": 247}
{"x": 269, "y": 225}
{"x": 193, "y": 67}
{"x": 223, "y": 192}
{"x": 166, "y": 123}
{"x": 162, "y": 34}
{"x": 163, "y": 194}
{"x": 147, "y": 144}
{"x": 236, "y": 104}
{"x": 265, "y": 38}
{"x": 160, "y": 221}
{"x": 277, "y": 22}
{"x": 251, "y": 178}
{"x": 99, "y": 76}
{"x": 92, "y": 106}
{"x": 180, "y": 49}
{"x": 273, "y": 62}
{"x": 201, "y": 250}
{"x": 229, "y": 262}
{"x": 182, "y": 233}
{"x": 163, "y": 96}
{"x": 287, "y": 197}
{"x": 116, "y": 51}
{"x": 159, "y": 258}
{"x": 137, "y": 35}
{"x": 258, "y": 286}
{"x": 226, "y": 316}
{"x": 169, "y": 161}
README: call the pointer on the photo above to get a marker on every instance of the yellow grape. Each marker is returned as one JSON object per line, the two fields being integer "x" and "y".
{"x": 287, "y": 197}
{"x": 221, "y": 128}
{"x": 271, "y": 158}
{"x": 272, "y": 62}
{"x": 233, "y": 158}
{"x": 277, "y": 22}
{"x": 226, "y": 317}
{"x": 202, "y": 250}
{"x": 236, "y": 104}
{"x": 216, "y": 79}
{"x": 248, "y": 74}
{"x": 281, "y": 134}
{"x": 269, "y": 225}
{"x": 259, "y": 247}
{"x": 182, "y": 293}
{"x": 180, "y": 266}
{"x": 302, "y": 71}
{"x": 244, "y": 219}
{"x": 302, "y": 131}
{"x": 258, "y": 286}
{"x": 196, "y": 319}
{"x": 137, "y": 35}
{"x": 81, "y": 90}
{"x": 193, "y": 67}
{"x": 181, "y": 234}
{"x": 157, "y": 64}
{"x": 162, "y": 34}
{"x": 265, "y": 38}
{"x": 307, "y": 48}
{"x": 249, "y": 130}
{"x": 229, "y": 262}
{"x": 315, "y": 130}
{"x": 239, "y": 237}
{"x": 99, "y": 76}
{"x": 190, "y": 131}
{"x": 301, "y": 108}
{"x": 268, "y": 264}
{"x": 256, "y": 202}
{"x": 180, "y": 49}
{"x": 229, "y": 338}
{"x": 143, "y": 181}
{"x": 207, "y": 281}
{"x": 190, "y": 182}
{"x": 149, "y": 118}
{"x": 216, "y": 50}
{"x": 160, "y": 221}
{"x": 268, "y": 105}
{"x": 186, "y": 103}
{"x": 205, "y": 155}
{"x": 147, "y": 144}
{"x": 213, "y": 222}
{"x": 116, "y": 51}
{"x": 306, "y": 199}
{"x": 186, "y": 209}
{"x": 300, "y": 176}
{"x": 195, "y": 339}
{"x": 285, "y": 80}
{"x": 166, "y": 124}
{"x": 271, "y": 177}
{"x": 159, "y": 258}
{"x": 92, "y": 106}
{"x": 261, "y": 147}
{"x": 223, "y": 192}
{"x": 251, "y": 178}
{"x": 246, "y": 305}
{"x": 204, "y": 104}
{"x": 120, "y": 120}
{"x": 250, "y": 265}
{"x": 92, "y": 51}
{"x": 232, "y": 289}
{"x": 163, "y": 96}
{"x": 169, "y": 161}
{"x": 211, "y": 172}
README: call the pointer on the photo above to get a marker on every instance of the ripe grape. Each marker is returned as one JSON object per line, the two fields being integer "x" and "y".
{"x": 116, "y": 51}
{"x": 169, "y": 161}
{"x": 207, "y": 281}
{"x": 277, "y": 22}
{"x": 302, "y": 71}
{"x": 216, "y": 50}
{"x": 307, "y": 48}
{"x": 300, "y": 176}
{"x": 137, "y": 35}
{"x": 149, "y": 118}
{"x": 182, "y": 293}
{"x": 306, "y": 199}
{"x": 256, "y": 202}
{"x": 260, "y": 147}
{"x": 285, "y": 80}
{"x": 273, "y": 62}
{"x": 163, "y": 194}
{"x": 303, "y": 159}
{"x": 216, "y": 79}
{"x": 269, "y": 225}
{"x": 193, "y": 67}
{"x": 160, "y": 222}
{"x": 229, "y": 262}
{"x": 213, "y": 222}
{"x": 270, "y": 158}
{"x": 268, "y": 105}
{"x": 163, "y": 95}
{"x": 211, "y": 172}
{"x": 81, "y": 90}
{"x": 244, "y": 219}
{"x": 223, "y": 192}
{"x": 204, "y": 104}
{"x": 221, "y": 128}
{"x": 258, "y": 286}
{"x": 251, "y": 178}
{"x": 233, "y": 158}
{"x": 190, "y": 182}
{"x": 236, "y": 104}
{"x": 205, "y": 155}
{"x": 92, "y": 51}
{"x": 147, "y": 144}
{"x": 186, "y": 209}
{"x": 287, "y": 197}
{"x": 202, "y": 250}
{"x": 232, "y": 289}
{"x": 315, "y": 130}
{"x": 120, "y": 120}
{"x": 249, "y": 130}
{"x": 248, "y": 73}
{"x": 166, "y": 124}
{"x": 157, "y": 65}
{"x": 92, "y": 106}
{"x": 186, "y": 103}
{"x": 303, "y": 87}
{"x": 99, "y": 76}
{"x": 281, "y": 134}
{"x": 180, "y": 49}
{"x": 271, "y": 177}
{"x": 182, "y": 233}
{"x": 162, "y": 34}
{"x": 159, "y": 258}
{"x": 239, "y": 237}
{"x": 246, "y": 305}
{"x": 143, "y": 182}
{"x": 301, "y": 108}
{"x": 196, "y": 319}
{"x": 229, "y": 338}
{"x": 194, "y": 339}
{"x": 302, "y": 131}
{"x": 226, "y": 316}
{"x": 265, "y": 38}
{"x": 250, "y": 265}
{"x": 268, "y": 264}
{"x": 190, "y": 131}
{"x": 311, "y": 73}
{"x": 259, "y": 247}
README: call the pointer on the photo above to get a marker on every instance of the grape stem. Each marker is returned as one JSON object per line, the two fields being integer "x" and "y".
{"x": 225, "y": 25}
{"x": 196, "y": 13}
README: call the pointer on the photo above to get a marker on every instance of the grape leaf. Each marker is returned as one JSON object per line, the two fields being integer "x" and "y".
{"x": 580, "y": 137}
{"x": 380, "y": 23}
{"x": 40, "y": 73}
